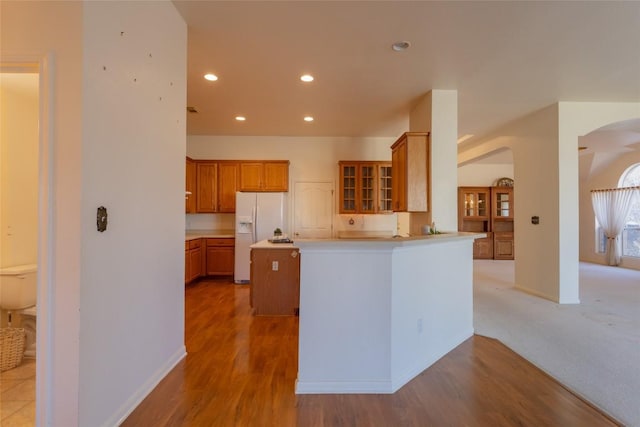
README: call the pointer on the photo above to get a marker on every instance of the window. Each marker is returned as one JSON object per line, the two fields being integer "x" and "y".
{"x": 631, "y": 232}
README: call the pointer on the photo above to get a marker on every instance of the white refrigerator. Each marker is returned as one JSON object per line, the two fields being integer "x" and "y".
{"x": 257, "y": 216}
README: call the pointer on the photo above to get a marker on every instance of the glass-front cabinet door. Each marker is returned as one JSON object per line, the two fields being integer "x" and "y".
{"x": 503, "y": 202}
{"x": 384, "y": 188}
{"x": 475, "y": 203}
{"x": 365, "y": 187}
{"x": 348, "y": 188}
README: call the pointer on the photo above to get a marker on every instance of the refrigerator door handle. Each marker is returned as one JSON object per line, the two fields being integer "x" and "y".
{"x": 254, "y": 213}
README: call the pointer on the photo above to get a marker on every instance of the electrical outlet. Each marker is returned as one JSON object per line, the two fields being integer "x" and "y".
{"x": 419, "y": 325}
{"x": 274, "y": 266}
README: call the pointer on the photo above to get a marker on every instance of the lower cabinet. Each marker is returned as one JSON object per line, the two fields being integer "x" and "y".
{"x": 503, "y": 247}
{"x": 192, "y": 260}
{"x": 220, "y": 257}
{"x": 483, "y": 247}
{"x": 275, "y": 281}
{"x": 208, "y": 257}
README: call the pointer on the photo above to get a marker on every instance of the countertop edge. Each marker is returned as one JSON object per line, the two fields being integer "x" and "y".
{"x": 390, "y": 241}
{"x": 212, "y": 234}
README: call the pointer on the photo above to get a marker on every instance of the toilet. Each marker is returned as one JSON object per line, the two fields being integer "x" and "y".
{"x": 18, "y": 294}
{"x": 29, "y": 316}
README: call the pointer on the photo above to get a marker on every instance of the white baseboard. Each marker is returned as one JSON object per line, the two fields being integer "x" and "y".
{"x": 343, "y": 387}
{"x": 132, "y": 403}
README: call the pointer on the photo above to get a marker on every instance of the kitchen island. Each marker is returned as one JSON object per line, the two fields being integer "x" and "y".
{"x": 275, "y": 279}
{"x": 374, "y": 313}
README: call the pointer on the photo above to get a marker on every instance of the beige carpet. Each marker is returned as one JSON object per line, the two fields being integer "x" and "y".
{"x": 593, "y": 347}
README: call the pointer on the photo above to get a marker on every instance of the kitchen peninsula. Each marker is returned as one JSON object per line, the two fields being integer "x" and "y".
{"x": 374, "y": 313}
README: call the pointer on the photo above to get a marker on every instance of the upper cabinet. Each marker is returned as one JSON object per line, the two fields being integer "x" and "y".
{"x": 207, "y": 187}
{"x": 267, "y": 176}
{"x": 474, "y": 208}
{"x": 216, "y": 186}
{"x": 502, "y": 202}
{"x": 211, "y": 185}
{"x": 410, "y": 172}
{"x": 365, "y": 187}
{"x": 228, "y": 178}
{"x": 190, "y": 187}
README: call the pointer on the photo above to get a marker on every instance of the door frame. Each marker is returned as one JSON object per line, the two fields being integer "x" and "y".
{"x": 42, "y": 64}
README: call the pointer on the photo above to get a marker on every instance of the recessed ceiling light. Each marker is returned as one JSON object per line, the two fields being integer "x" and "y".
{"x": 241, "y": 118}
{"x": 306, "y": 78}
{"x": 400, "y": 46}
{"x": 211, "y": 77}
{"x": 308, "y": 118}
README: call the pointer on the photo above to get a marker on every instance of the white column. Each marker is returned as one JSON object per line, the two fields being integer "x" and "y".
{"x": 437, "y": 112}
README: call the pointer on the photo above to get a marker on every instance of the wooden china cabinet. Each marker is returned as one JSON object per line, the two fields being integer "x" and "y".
{"x": 502, "y": 222}
{"x": 488, "y": 210}
{"x": 474, "y": 215}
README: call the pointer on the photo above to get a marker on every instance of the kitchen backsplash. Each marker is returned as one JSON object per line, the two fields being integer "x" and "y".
{"x": 224, "y": 221}
{"x": 387, "y": 222}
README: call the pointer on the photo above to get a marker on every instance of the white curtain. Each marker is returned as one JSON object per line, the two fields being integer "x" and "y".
{"x": 611, "y": 207}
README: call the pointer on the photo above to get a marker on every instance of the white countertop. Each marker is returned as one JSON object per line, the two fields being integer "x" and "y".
{"x": 211, "y": 234}
{"x": 391, "y": 241}
{"x": 266, "y": 244}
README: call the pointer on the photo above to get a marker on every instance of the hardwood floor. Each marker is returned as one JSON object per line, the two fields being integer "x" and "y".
{"x": 240, "y": 371}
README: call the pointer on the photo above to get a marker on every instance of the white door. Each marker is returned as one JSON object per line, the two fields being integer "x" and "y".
{"x": 313, "y": 210}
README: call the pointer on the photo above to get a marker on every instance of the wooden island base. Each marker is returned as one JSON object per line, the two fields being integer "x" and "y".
{"x": 275, "y": 279}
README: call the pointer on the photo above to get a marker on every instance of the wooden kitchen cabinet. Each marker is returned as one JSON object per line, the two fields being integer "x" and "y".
{"x": 365, "y": 187}
{"x": 216, "y": 186}
{"x": 186, "y": 262}
{"x": 275, "y": 281}
{"x": 193, "y": 260}
{"x": 228, "y": 177}
{"x": 267, "y": 176}
{"x": 190, "y": 186}
{"x": 207, "y": 187}
{"x": 220, "y": 256}
{"x": 410, "y": 160}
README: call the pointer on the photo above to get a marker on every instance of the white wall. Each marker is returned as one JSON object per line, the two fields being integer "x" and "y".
{"x": 483, "y": 174}
{"x": 58, "y": 42}
{"x": 132, "y": 294}
{"x": 312, "y": 159}
{"x": 19, "y": 169}
{"x": 103, "y": 147}
{"x": 534, "y": 142}
{"x": 580, "y": 118}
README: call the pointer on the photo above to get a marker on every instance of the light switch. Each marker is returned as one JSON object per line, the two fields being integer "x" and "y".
{"x": 274, "y": 266}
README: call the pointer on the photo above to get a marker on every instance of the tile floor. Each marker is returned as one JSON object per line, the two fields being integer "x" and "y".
{"x": 18, "y": 395}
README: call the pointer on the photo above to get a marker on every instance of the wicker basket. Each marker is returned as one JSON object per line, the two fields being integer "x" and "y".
{"x": 11, "y": 347}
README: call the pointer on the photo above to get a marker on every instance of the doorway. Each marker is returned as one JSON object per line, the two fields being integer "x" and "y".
{"x": 26, "y": 210}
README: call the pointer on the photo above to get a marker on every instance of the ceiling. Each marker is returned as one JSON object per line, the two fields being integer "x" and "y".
{"x": 505, "y": 59}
